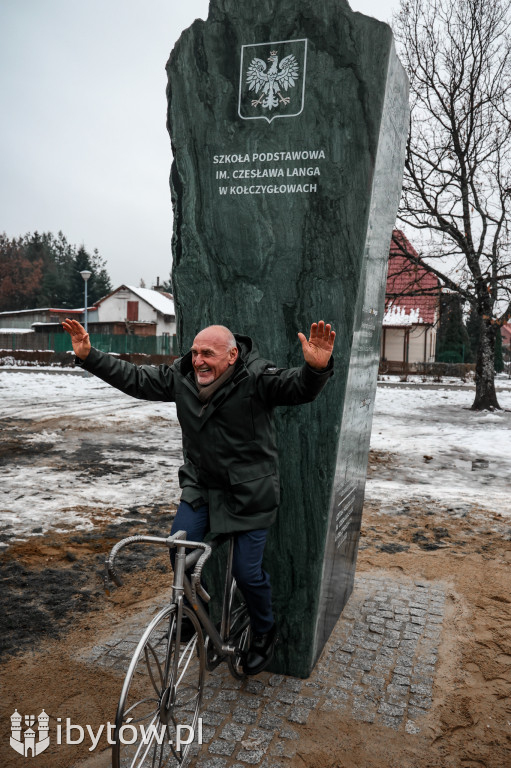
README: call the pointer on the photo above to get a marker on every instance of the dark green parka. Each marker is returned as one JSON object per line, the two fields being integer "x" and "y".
{"x": 229, "y": 448}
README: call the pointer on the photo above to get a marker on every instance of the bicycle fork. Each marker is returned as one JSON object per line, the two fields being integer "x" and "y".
{"x": 168, "y": 697}
{"x": 227, "y": 591}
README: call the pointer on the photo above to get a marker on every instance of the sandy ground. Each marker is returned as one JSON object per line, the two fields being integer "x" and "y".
{"x": 54, "y": 605}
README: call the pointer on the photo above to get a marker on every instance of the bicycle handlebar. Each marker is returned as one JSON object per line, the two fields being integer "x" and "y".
{"x": 177, "y": 539}
{"x": 110, "y": 572}
{"x": 196, "y": 575}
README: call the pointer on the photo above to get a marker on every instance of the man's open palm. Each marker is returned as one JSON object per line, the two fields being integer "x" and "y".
{"x": 79, "y": 338}
{"x": 317, "y": 351}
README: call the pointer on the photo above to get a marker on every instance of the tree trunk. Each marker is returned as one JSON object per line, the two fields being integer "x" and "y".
{"x": 486, "y": 398}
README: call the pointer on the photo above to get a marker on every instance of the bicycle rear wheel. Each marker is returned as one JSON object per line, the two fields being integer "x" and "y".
{"x": 239, "y": 631}
{"x": 156, "y": 707}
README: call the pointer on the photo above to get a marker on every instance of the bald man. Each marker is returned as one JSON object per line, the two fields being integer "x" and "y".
{"x": 225, "y": 394}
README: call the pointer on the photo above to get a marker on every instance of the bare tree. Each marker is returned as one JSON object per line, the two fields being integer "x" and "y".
{"x": 457, "y": 182}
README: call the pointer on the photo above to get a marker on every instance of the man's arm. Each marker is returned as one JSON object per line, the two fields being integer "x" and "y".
{"x": 295, "y": 386}
{"x": 145, "y": 382}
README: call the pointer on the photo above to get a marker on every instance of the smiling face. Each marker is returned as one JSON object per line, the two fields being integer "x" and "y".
{"x": 213, "y": 351}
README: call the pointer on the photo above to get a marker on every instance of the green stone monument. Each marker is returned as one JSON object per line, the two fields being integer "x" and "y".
{"x": 288, "y": 121}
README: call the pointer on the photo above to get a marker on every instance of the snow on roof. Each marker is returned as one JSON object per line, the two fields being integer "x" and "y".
{"x": 161, "y": 302}
{"x": 402, "y": 316}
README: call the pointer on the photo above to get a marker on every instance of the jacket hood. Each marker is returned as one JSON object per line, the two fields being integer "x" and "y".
{"x": 247, "y": 348}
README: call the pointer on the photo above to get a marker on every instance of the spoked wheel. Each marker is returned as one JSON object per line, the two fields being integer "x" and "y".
{"x": 239, "y": 631}
{"x": 155, "y": 701}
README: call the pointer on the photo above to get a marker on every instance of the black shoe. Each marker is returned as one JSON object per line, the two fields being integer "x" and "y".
{"x": 260, "y": 652}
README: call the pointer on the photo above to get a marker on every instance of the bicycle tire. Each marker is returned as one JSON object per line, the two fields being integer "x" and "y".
{"x": 143, "y": 703}
{"x": 239, "y": 631}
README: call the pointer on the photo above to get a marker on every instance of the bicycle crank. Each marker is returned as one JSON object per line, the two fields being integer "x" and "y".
{"x": 213, "y": 658}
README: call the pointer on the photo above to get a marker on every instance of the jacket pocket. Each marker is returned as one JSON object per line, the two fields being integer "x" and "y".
{"x": 244, "y": 473}
{"x": 254, "y": 488}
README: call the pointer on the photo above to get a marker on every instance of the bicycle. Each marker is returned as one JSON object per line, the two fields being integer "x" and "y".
{"x": 162, "y": 692}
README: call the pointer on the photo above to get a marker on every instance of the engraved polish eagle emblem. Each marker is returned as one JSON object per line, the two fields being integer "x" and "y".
{"x": 271, "y": 81}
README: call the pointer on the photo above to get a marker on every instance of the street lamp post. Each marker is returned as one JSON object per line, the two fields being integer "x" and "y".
{"x": 85, "y": 274}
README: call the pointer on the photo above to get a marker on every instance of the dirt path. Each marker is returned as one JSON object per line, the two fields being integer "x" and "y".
{"x": 71, "y": 478}
{"x": 468, "y": 725}
{"x": 470, "y": 722}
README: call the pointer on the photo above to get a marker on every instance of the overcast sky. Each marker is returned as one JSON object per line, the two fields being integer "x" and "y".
{"x": 83, "y": 143}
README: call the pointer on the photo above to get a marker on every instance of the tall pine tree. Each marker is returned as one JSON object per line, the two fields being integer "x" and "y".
{"x": 98, "y": 284}
{"x": 499, "y": 359}
{"x": 453, "y": 342}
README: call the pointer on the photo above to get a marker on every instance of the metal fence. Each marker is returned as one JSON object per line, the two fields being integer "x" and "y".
{"x": 106, "y": 342}
{"x": 398, "y": 368}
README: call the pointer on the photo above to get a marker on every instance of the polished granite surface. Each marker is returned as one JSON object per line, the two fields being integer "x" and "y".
{"x": 288, "y": 122}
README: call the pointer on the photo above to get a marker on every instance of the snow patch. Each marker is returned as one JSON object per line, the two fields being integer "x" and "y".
{"x": 400, "y": 316}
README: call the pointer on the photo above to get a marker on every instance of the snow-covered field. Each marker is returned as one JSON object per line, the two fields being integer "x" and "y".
{"x": 435, "y": 438}
{"x": 74, "y": 451}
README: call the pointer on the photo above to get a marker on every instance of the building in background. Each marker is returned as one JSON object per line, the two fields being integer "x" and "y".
{"x": 129, "y": 319}
{"x": 33, "y": 328}
{"x": 131, "y": 310}
{"x": 412, "y": 303}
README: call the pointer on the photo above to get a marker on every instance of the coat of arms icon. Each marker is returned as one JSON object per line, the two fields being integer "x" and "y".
{"x": 29, "y": 746}
{"x": 272, "y": 80}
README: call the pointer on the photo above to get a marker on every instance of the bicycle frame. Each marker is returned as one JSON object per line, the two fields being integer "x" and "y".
{"x": 182, "y": 584}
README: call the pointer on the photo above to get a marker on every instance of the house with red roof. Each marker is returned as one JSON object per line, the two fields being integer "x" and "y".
{"x": 412, "y": 307}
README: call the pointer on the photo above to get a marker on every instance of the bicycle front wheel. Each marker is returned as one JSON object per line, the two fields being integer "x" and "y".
{"x": 158, "y": 711}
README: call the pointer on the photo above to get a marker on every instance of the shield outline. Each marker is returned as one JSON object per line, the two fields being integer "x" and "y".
{"x": 273, "y": 42}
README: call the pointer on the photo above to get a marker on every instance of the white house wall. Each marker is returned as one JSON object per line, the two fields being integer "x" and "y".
{"x": 421, "y": 344}
{"x": 394, "y": 339}
{"x": 115, "y": 309}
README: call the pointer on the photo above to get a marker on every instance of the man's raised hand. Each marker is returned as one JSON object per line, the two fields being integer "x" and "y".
{"x": 318, "y": 349}
{"x": 79, "y": 338}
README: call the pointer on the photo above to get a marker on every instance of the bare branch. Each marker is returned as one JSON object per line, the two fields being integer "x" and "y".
{"x": 457, "y": 180}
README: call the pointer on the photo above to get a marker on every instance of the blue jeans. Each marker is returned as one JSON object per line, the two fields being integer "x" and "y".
{"x": 247, "y": 568}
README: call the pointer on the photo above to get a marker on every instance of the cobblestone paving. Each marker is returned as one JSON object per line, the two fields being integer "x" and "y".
{"x": 378, "y": 667}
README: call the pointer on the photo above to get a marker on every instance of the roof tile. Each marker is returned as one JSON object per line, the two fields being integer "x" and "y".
{"x": 412, "y": 293}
